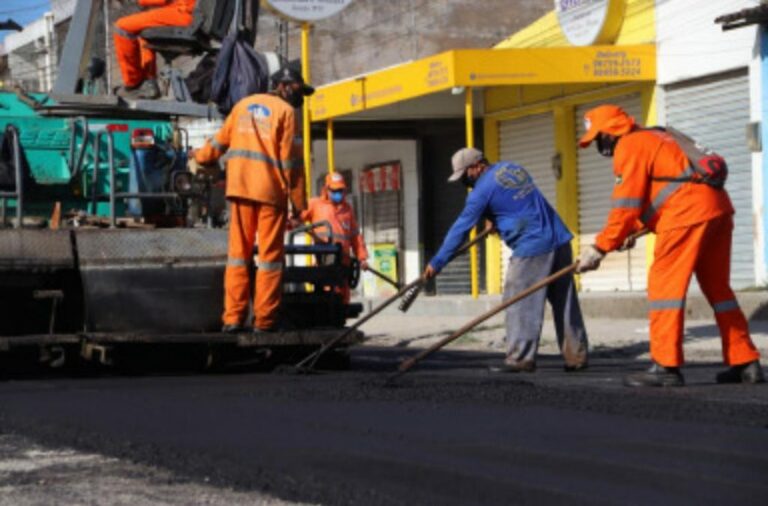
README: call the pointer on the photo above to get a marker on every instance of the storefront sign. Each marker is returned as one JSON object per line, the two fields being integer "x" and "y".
{"x": 308, "y": 10}
{"x": 383, "y": 178}
{"x": 587, "y": 22}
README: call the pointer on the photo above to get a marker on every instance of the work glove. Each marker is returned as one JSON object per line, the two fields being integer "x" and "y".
{"x": 590, "y": 259}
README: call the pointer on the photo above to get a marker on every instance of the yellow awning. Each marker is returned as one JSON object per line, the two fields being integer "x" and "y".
{"x": 484, "y": 67}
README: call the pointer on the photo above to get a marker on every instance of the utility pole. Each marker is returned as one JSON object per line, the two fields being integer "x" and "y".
{"x": 282, "y": 38}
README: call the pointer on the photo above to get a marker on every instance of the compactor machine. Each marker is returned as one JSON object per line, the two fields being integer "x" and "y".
{"x": 110, "y": 248}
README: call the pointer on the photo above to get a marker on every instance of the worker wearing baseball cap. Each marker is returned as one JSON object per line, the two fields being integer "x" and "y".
{"x": 693, "y": 223}
{"x": 296, "y": 89}
{"x": 506, "y": 194}
{"x": 265, "y": 181}
{"x": 331, "y": 206}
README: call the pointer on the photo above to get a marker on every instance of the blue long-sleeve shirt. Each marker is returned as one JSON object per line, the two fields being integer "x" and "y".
{"x": 507, "y": 196}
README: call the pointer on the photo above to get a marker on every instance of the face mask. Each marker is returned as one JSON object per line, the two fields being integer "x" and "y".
{"x": 467, "y": 181}
{"x": 295, "y": 98}
{"x": 605, "y": 145}
{"x": 337, "y": 197}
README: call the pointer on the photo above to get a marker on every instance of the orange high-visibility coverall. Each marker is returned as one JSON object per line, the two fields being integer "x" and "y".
{"x": 137, "y": 62}
{"x": 258, "y": 137}
{"x": 694, "y": 225}
{"x": 344, "y": 230}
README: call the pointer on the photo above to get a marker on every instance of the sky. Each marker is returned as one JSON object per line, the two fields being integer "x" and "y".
{"x": 22, "y": 11}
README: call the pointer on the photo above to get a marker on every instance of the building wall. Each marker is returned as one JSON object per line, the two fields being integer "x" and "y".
{"x": 704, "y": 52}
{"x": 372, "y": 34}
{"x": 690, "y": 44}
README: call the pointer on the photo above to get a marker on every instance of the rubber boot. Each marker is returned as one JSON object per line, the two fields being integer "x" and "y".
{"x": 656, "y": 376}
{"x": 149, "y": 90}
{"x": 751, "y": 372}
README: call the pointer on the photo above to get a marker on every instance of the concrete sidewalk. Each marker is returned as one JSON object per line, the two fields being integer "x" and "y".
{"x": 614, "y": 337}
{"x": 622, "y": 305}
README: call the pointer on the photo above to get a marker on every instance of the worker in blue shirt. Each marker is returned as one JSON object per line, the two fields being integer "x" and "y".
{"x": 505, "y": 194}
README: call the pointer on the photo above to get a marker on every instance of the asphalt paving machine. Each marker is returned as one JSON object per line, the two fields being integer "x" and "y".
{"x": 110, "y": 247}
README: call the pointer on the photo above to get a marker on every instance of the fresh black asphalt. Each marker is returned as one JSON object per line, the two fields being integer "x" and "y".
{"x": 447, "y": 433}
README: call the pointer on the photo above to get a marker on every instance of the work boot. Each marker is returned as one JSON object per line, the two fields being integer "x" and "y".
{"x": 149, "y": 90}
{"x": 656, "y": 376}
{"x": 232, "y": 328}
{"x": 269, "y": 330}
{"x": 511, "y": 365}
{"x": 751, "y": 372}
{"x": 576, "y": 367}
{"x": 129, "y": 92}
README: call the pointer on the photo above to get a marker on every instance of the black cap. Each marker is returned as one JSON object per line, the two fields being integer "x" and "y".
{"x": 291, "y": 75}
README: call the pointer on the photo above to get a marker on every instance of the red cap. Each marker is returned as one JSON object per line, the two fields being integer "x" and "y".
{"x": 335, "y": 181}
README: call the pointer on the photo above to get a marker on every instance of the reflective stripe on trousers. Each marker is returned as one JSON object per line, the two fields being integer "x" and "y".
{"x": 703, "y": 249}
{"x": 250, "y": 219}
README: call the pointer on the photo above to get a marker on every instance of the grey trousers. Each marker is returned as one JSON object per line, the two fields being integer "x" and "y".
{"x": 524, "y": 319}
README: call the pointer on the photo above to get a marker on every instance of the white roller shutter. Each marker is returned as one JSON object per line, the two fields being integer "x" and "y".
{"x": 530, "y": 142}
{"x": 715, "y": 112}
{"x": 618, "y": 271}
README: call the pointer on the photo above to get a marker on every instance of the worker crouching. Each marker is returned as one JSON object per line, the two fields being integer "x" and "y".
{"x": 265, "y": 180}
{"x": 331, "y": 206}
{"x": 656, "y": 187}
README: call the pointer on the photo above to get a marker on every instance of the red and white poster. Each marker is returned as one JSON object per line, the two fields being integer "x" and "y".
{"x": 380, "y": 178}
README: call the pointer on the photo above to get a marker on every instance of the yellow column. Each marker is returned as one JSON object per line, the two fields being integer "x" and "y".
{"x": 493, "y": 282}
{"x": 306, "y": 125}
{"x": 331, "y": 148}
{"x": 567, "y": 203}
{"x": 470, "y": 128}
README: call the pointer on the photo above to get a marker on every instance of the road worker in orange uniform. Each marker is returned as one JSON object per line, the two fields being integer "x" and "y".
{"x": 265, "y": 180}
{"x": 693, "y": 221}
{"x": 136, "y": 60}
{"x": 330, "y": 206}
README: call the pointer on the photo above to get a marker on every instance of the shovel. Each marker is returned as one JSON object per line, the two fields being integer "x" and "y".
{"x": 409, "y": 363}
{"x": 386, "y": 278}
{"x": 308, "y": 363}
{"x": 410, "y": 295}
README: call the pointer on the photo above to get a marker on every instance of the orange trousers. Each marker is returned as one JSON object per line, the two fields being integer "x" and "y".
{"x": 249, "y": 221}
{"x": 137, "y": 62}
{"x": 703, "y": 249}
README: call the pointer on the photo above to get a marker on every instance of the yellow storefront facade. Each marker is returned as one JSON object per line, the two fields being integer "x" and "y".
{"x": 534, "y": 86}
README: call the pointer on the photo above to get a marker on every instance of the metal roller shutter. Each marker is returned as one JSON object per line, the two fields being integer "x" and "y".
{"x": 715, "y": 112}
{"x": 530, "y": 142}
{"x": 619, "y": 271}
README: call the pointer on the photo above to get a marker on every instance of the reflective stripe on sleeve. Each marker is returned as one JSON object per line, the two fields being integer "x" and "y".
{"x": 628, "y": 203}
{"x": 726, "y": 305}
{"x": 217, "y": 145}
{"x": 658, "y": 305}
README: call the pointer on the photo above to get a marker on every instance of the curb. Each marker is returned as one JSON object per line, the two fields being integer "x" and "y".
{"x": 623, "y": 305}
